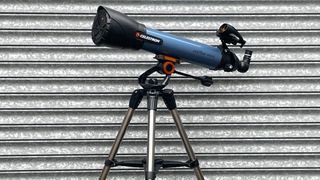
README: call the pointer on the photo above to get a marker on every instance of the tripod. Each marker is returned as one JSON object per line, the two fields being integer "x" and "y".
{"x": 153, "y": 90}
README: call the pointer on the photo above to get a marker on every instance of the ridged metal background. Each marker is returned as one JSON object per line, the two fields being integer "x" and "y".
{"x": 62, "y": 99}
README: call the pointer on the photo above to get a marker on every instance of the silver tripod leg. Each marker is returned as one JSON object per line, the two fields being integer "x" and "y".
{"x": 186, "y": 142}
{"x": 117, "y": 142}
{"x": 134, "y": 102}
{"x": 152, "y": 108}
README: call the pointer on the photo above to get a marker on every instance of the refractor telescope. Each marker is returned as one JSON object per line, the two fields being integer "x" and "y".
{"x": 113, "y": 28}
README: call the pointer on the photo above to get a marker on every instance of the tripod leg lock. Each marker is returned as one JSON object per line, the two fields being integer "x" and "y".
{"x": 168, "y": 98}
{"x": 193, "y": 163}
{"x": 136, "y": 98}
{"x": 111, "y": 163}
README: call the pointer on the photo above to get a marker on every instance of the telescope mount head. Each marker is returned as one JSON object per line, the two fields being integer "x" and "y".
{"x": 166, "y": 66}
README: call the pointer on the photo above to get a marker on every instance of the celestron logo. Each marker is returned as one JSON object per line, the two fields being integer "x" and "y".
{"x": 148, "y": 38}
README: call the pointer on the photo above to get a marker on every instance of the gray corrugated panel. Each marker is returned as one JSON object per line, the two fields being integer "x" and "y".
{"x": 135, "y": 69}
{"x": 62, "y": 99}
{"x": 102, "y": 85}
{"x": 165, "y": 6}
{"x": 169, "y": 145}
{"x": 75, "y": 38}
{"x": 226, "y": 174}
{"x": 169, "y": 22}
{"x": 87, "y": 131}
{"x": 207, "y": 160}
{"x": 99, "y": 54}
{"x": 184, "y": 100}
{"x": 103, "y": 117}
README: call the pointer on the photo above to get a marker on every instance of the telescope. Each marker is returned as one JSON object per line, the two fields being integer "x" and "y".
{"x": 112, "y": 28}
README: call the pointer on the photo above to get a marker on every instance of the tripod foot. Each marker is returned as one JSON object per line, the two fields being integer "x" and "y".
{"x": 150, "y": 175}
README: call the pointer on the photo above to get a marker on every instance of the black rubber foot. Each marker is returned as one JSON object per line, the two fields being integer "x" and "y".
{"x": 150, "y": 175}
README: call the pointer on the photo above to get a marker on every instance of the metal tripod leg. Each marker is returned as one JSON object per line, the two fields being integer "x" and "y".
{"x": 170, "y": 102}
{"x": 135, "y": 100}
{"x": 117, "y": 142}
{"x": 186, "y": 142}
{"x": 152, "y": 108}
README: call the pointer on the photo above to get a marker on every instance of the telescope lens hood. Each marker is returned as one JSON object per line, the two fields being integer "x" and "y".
{"x": 113, "y": 28}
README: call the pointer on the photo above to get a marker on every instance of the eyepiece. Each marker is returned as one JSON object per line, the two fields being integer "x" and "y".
{"x": 244, "y": 64}
{"x": 113, "y": 28}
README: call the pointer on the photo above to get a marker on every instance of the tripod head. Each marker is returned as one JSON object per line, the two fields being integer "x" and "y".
{"x": 166, "y": 66}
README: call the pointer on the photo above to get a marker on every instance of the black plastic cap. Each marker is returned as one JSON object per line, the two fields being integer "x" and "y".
{"x": 136, "y": 98}
{"x": 168, "y": 98}
{"x": 113, "y": 28}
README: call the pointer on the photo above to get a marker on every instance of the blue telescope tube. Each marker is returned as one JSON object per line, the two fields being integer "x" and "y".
{"x": 112, "y": 28}
{"x": 183, "y": 49}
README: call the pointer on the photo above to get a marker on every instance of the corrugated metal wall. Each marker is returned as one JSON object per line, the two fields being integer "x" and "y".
{"x": 62, "y": 99}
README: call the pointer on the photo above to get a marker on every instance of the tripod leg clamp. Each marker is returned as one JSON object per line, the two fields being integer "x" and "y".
{"x": 193, "y": 164}
{"x": 111, "y": 163}
{"x": 168, "y": 98}
{"x": 136, "y": 98}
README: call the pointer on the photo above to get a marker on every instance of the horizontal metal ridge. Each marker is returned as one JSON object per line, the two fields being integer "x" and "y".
{"x": 78, "y": 37}
{"x": 116, "y": 125}
{"x": 46, "y": 54}
{"x": 173, "y": 170}
{"x": 163, "y": 131}
{"x": 152, "y": 6}
{"x": 94, "y": 54}
{"x": 111, "y": 62}
{"x": 224, "y": 78}
{"x": 106, "y": 140}
{"x": 263, "y": 46}
{"x": 193, "y": 15}
{"x": 80, "y": 21}
{"x": 289, "y": 93}
{"x": 161, "y": 109}
{"x": 169, "y": 30}
{"x": 200, "y": 124}
{"x": 185, "y": 100}
{"x": 112, "y": 48}
{"x": 176, "y": 31}
{"x": 203, "y": 115}
{"x": 138, "y": 155}
{"x": 186, "y": 31}
{"x": 196, "y": 14}
{"x": 107, "y": 62}
{"x": 179, "y": 84}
